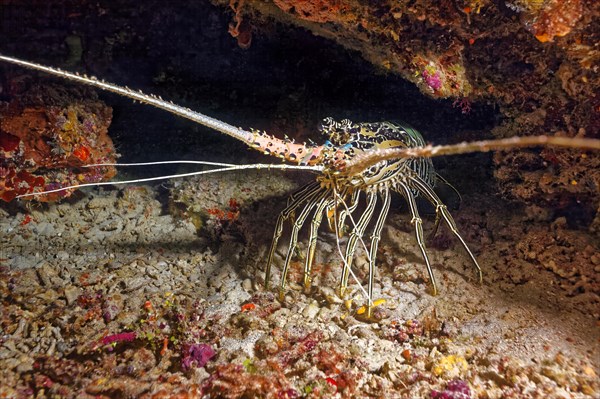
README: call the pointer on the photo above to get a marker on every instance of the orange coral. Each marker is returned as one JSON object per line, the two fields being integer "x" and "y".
{"x": 315, "y": 10}
{"x": 242, "y": 29}
{"x": 557, "y": 19}
{"x": 42, "y": 148}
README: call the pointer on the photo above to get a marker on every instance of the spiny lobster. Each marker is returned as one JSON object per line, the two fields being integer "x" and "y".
{"x": 358, "y": 160}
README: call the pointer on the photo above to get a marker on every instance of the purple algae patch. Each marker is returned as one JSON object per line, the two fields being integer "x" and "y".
{"x": 433, "y": 80}
{"x": 121, "y": 337}
{"x": 455, "y": 389}
{"x": 196, "y": 355}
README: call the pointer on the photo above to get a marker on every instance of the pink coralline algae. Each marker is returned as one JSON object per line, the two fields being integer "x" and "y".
{"x": 121, "y": 337}
{"x": 463, "y": 104}
{"x": 432, "y": 80}
{"x": 442, "y": 75}
{"x": 455, "y": 389}
{"x": 403, "y": 331}
{"x": 196, "y": 355}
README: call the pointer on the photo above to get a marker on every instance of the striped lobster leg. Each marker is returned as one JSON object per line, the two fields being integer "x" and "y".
{"x": 442, "y": 212}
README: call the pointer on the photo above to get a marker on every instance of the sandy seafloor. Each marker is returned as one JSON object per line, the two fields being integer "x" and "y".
{"x": 114, "y": 293}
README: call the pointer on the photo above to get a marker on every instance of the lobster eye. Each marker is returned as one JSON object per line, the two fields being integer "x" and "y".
{"x": 345, "y": 123}
{"x": 327, "y": 123}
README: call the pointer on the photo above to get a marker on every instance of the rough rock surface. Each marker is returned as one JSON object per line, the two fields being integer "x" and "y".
{"x": 106, "y": 295}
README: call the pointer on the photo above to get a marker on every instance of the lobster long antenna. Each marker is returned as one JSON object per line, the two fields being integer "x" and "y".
{"x": 148, "y": 179}
{"x": 230, "y": 130}
{"x": 176, "y": 162}
{"x": 369, "y": 158}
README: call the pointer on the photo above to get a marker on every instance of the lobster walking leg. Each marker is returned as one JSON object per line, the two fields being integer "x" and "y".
{"x": 312, "y": 240}
{"x": 357, "y": 232}
{"x": 346, "y": 212}
{"x": 297, "y": 225}
{"x": 441, "y": 209}
{"x": 417, "y": 222}
{"x": 375, "y": 238}
{"x": 306, "y": 193}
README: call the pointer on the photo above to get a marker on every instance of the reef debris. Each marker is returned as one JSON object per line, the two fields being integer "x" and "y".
{"x": 47, "y": 147}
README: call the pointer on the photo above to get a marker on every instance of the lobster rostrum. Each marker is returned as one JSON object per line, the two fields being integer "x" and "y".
{"x": 359, "y": 163}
